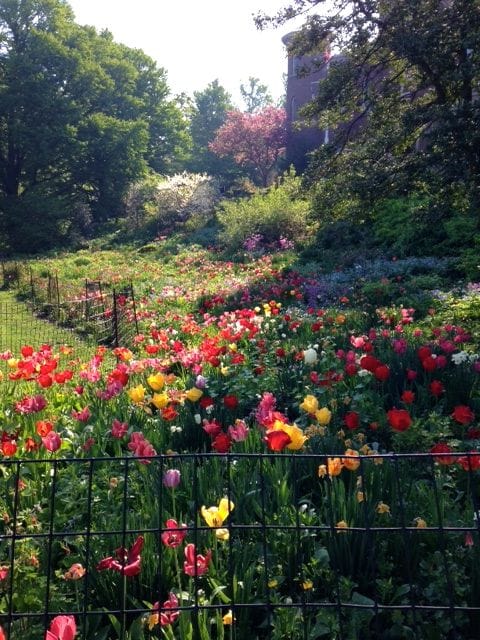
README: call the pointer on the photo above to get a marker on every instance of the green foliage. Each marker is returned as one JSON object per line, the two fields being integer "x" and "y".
{"x": 255, "y": 95}
{"x": 419, "y": 225}
{"x": 79, "y": 115}
{"x": 107, "y": 139}
{"x": 400, "y": 103}
{"x": 273, "y": 213}
{"x": 39, "y": 219}
{"x": 398, "y": 225}
{"x": 207, "y": 114}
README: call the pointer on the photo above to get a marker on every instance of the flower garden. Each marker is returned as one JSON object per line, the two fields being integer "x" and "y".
{"x": 276, "y": 455}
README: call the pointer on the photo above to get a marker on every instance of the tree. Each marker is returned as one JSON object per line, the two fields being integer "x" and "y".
{"x": 209, "y": 112}
{"x": 128, "y": 120}
{"x": 402, "y": 99}
{"x": 254, "y": 140}
{"x": 80, "y": 117}
{"x": 255, "y": 95}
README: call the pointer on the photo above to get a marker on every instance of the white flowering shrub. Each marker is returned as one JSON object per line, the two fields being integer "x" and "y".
{"x": 171, "y": 201}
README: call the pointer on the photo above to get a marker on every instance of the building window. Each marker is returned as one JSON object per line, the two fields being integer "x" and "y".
{"x": 293, "y": 109}
{"x": 296, "y": 65}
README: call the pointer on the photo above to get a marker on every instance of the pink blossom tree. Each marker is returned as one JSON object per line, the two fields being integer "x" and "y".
{"x": 254, "y": 140}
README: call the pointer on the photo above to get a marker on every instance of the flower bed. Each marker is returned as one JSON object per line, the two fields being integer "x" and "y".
{"x": 261, "y": 472}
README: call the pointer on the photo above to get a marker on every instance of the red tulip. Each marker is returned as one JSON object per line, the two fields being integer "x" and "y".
{"x": 463, "y": 414}
{"x": 382, "y": 372}
{"x": 174, "y": 534}
{"x": 277, "y": 440}
{"x": 221, "y": 443}
{"x": 442, "y": 447}
{"x": 62, "y": 628}
{"x": 126, "y": 561}
{"x": 351, "y": 420}
{"x": 230, "y": 402}
{"x": 195, "y": 564}
{"x": 407, "y": 397}
{"x": 399, "y": 419}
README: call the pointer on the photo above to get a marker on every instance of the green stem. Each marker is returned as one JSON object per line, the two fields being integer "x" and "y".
{"x": 124, "y": 606}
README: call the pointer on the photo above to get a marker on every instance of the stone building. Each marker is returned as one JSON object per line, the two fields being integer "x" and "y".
{"x": 304, "y": 75}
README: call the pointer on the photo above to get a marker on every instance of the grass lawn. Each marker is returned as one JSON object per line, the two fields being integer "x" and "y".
{"x": 18, "y": 327}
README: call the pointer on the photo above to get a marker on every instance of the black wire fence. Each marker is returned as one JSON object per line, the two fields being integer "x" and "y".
{"x": 96, "y": 314}
{"x": 241, "y": 546}
{"x": 19, "y": 325}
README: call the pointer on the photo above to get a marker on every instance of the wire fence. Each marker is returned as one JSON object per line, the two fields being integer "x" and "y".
{"x": 97, "y": 314}
{"x": 20, "y": 325}
{"x": 131, "y": 548}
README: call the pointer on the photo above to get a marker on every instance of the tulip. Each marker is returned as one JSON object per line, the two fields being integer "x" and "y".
{"x": 156, "y": 382}
{"x": 310, "y": 356}
{"x": 323, "y": 416}
{"x": 195, "y": 564}
{"x": 62, "y": 628}
{"x": 52, "y": 441}
{"x": 309, "y": 404}
{"x": 171, "y": 478}
{"x": 193, "y": 394}
{"x": 216, "y": 516}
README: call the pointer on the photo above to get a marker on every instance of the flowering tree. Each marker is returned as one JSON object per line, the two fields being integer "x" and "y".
{"x": 254, "y": 140}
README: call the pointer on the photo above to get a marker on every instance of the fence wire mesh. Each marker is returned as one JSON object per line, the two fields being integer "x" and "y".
{"x": 97, "y": 314}
{"x": 290, "y": 551}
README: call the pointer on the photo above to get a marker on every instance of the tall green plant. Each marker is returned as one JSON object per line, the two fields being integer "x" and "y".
{"x": 280, "y": 211}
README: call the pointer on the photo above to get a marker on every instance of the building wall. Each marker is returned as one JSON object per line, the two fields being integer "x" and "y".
{"x": 304, "y": 75}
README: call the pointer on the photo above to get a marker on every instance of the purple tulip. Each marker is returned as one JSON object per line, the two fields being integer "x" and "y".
{"x": 171, "y": 478}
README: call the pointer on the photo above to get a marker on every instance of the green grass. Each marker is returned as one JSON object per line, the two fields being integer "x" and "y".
{"x": 18, "y": 327}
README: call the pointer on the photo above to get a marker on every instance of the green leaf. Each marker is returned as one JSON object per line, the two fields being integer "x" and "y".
{"x": 218, "y": 590}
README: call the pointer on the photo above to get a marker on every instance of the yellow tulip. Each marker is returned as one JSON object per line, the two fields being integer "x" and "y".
{"x": 193, "y": 394}
{"x": 216, "y": 516}
{"x": 222, "y": 534}
{"x": 160, "y": 400}
{"x": 323, "y": 416}
{"x": 297, "y": 437}
{"x": 228, "y": 618}
{"x": 157, "y": 381}
{"x": 309, "y": 404}
{"x": 137, "y": 394}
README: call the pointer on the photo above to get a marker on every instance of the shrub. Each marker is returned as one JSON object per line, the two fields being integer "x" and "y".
{"x": 278, "y": 212}
{"x": 161, "y": 204}
{"x": 403, "y": 226}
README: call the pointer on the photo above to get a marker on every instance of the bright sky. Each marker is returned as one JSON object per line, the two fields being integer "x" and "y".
{"x": 196, "y": 41}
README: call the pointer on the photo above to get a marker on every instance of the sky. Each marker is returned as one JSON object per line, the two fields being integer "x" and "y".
{"x": 197, "y": 41}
